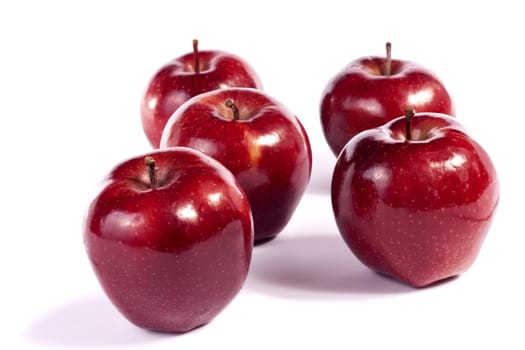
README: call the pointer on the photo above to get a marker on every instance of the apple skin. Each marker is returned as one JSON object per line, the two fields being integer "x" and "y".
{"x": 415, "y": 210}
{"x": 362, "y": 97}
{"x": 170, "y": 258}
{"x": 267, "y": 149}
{"x": 177, "y": 81}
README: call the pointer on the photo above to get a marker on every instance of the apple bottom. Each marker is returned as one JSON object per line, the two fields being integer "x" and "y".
{"x": 172, "y": 291}
{"x": 421, "y": 248}
{"x": 272, "y": 208}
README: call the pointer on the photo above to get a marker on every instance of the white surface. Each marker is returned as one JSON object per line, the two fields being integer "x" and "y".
{"x": 71, "y": 78}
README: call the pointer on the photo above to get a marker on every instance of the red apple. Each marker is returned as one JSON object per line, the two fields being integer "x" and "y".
{"x": 259, "y": 140}
{"x": 170, "y": 238}
{"x": 414, "y": 199}
{"x": 370, "y": 91}
{"x": 187, "y": 76}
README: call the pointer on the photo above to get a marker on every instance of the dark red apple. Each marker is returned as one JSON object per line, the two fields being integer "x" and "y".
{"x": 187, "y": 76}
{"x": 370, "y": 91}
{"x": 170, "y": 238}
{"x": 259, "y": 140}
{"x": 414, "y": 199}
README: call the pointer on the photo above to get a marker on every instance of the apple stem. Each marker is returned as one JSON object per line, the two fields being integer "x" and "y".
{"x": 409, "y": 114}
{"x": 231, "y": 105}
{"x": 196, "y": 55}
{"x": 152, "y": 167}
{"x": 388, "y": 62}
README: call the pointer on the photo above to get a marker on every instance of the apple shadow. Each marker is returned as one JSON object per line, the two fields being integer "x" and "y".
{"x": 316, "y": 267}
{"x": 321, "y": 176}
{"x": 88, "y": 322}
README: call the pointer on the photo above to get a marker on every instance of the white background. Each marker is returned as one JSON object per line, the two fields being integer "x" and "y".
{"x": 71, "y": 78}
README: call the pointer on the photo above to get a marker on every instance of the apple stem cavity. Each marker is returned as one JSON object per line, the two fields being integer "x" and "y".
{"x": 152, "y": 168}
{"x": 388, "y": 62}
{"x": 196, "y": 55}
{"x": 409, "y": 114}
{"x": 231, "y": 105}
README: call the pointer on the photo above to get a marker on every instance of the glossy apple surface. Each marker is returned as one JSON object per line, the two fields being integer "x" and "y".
{"x": 172, "y": 250}
{"x": 187, "y": 76}
{"x": 262, "y": 143}
{"x": 364, "y": 96}
{"x": 417, "y": 210}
